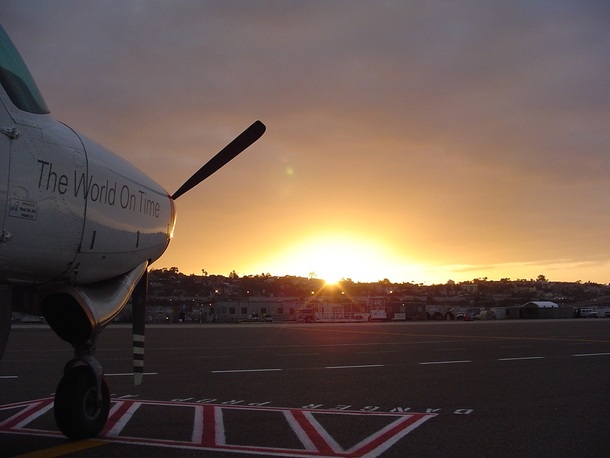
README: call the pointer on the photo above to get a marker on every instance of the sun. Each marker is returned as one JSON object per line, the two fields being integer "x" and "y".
{"x": 332, "y": 279}
{"x": 334, "y": 257}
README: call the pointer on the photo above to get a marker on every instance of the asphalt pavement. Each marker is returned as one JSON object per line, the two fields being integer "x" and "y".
{"x": 536, "y": 388}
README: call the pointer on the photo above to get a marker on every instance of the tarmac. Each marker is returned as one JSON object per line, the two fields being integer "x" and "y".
{"x": 460, "y": 389}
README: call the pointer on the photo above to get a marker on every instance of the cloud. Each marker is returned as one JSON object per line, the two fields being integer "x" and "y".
{"x": 477, "y": 130}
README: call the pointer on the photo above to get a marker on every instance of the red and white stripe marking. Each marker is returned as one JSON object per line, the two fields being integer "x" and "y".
{"x": 209, "y": 428}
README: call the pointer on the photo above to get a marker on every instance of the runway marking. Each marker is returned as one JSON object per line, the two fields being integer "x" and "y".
{"x": 31, "y": 412}
{"x": 354, "y": 366}
{"x": 219, "y": 427}
{"x": 7, "y": 377}
{"x": 520, "y": 358}
{"x": 375, "y": 352}
{"x": 469, "y": 338}
{"x": 591, "y": 354}
{"x": 298, "y": 354}
{"x": 129, "y": 374}
{"x": 245, "y": 370}
{"x": 119, "y": 416}
{"x": 460, "y": 361}
{"x": 424, "y": 363}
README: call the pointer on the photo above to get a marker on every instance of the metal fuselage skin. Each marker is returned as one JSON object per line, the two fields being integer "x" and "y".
{"x": 71, "y": 210}
{"x": 78, "y": 224}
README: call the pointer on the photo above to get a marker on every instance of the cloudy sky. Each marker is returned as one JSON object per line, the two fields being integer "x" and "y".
{"x": 410, "y": 140}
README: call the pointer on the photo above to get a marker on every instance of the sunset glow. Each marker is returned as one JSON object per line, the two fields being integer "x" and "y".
{"x": 414, "y": 141}
{"x": 334, "y": 257}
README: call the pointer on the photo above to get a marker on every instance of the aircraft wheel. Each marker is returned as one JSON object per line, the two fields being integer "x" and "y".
{"x": 77, "y": 412}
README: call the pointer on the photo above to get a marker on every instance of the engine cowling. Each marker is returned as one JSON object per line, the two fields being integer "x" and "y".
{"x": 78, "y": 313}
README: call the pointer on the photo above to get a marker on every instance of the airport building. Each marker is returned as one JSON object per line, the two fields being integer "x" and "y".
{"x": 264, "y": 309}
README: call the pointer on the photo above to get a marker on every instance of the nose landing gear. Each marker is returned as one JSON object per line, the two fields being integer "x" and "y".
{"x": 82, "y": 399}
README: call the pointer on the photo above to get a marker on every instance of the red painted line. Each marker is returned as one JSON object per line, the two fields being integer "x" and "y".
{"x": 122, "y": 421}
{"x": 208, "y": 431}
{"x": 23, "y": 417}
{"x": 389, "y": 436}
{"x": 312, "y": 433}
{"x": 208, "y": 438}
{"x": 116, "y": 414}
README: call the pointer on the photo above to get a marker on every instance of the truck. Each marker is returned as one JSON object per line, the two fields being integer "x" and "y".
{"x": 587, "y": 313}
{"x": 380, "y": 314}
{"x": 306, "y": 315}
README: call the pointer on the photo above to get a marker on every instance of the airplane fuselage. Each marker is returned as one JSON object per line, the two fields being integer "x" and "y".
{"x": 74, "y": 211}
{"x": 79, "y": 227}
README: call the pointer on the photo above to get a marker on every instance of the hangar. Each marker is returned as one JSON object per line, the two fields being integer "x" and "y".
{"x": 544, "y": 309}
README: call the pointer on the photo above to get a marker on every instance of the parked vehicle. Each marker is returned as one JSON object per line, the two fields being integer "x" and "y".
{"x": 587, "y": 313}
{"x": 379, "y": 315}
{"x": 307, "y": 315}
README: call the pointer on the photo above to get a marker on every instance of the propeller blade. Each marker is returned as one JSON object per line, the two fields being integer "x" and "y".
{"x": 138, "y": 300}
{"x": 243, "y": 141}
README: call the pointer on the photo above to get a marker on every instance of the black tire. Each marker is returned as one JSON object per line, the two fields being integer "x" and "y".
{"x": 76, "y": 411}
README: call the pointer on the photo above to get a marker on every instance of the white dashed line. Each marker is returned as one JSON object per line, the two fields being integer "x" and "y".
{"x": 245, "y": 370}
{"x": 591, "y": 354}
{"x": 424, "y": 363}
{"x": 521, "y": 358}
{"x": 129, "y": 374}
{"x": 354, "y": 367}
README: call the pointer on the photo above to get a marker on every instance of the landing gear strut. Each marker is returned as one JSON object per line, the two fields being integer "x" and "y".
{"x": 77, "y": 315}
{"x": 82, "y": 398}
